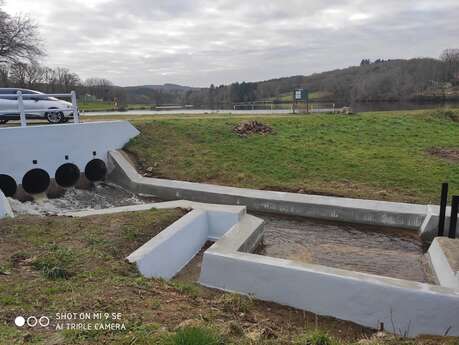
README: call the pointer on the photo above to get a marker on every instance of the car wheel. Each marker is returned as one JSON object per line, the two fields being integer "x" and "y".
{"x": 54, "y": 117}
{"x": 2, "y": 122}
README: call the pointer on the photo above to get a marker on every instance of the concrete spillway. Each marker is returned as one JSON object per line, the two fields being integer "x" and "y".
{"x": 34, "y": 158}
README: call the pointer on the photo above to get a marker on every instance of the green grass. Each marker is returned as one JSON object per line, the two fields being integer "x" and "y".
{"x": 60, "y": 264}
{"x": 317, "y": 337}
{"x": 196, "y": 336}
{"x": 108, "y": 106}
{"x": 380, "y": 155}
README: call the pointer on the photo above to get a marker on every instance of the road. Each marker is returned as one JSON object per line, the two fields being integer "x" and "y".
{"x": 186, "y": 112}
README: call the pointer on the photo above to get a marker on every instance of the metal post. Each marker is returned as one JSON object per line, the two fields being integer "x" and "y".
{"x": 76, "y": 117}
{"x": 453, "y": 218}
{"x": 21, "y": 109}
{"x": 443, "y": 203}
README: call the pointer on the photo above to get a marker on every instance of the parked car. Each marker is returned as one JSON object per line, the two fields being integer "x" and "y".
{"x": 39, "y": 106}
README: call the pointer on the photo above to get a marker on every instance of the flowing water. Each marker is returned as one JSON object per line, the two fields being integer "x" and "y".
{"x": 397, "y": 253}
{"x": 101, "y": 195}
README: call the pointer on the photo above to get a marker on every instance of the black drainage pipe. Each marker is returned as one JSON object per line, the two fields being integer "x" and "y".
{"x": 95, "y": 170}
{"x": 453, "y": 219}
{"x": 67, "y": 175}
{"x": 8, "y": 185}
{"x": 443, "y": 203}
{"x": 36, "y": 181}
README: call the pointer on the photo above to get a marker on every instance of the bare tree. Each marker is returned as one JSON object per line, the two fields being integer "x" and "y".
{"x": 19, "y": 39}
{"x": 100, "y": 88}
{"x": 450, "y": 59}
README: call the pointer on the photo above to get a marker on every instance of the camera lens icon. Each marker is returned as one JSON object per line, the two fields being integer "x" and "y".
{"x": 32, "y": 321}
{"x": 19, "y": 321}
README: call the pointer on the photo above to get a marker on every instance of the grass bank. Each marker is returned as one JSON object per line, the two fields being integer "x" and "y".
{"x": 108, "y": 106}
{"x": 384, "y": 155}
{"x": 57, "y": 265}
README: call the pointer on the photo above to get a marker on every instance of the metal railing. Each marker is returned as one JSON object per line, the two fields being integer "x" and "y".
{"x": 22, "y": 111}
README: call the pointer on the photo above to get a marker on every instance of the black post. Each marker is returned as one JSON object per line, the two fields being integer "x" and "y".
{"x": 453, "y": 219}
{"x": 443, "y": 203}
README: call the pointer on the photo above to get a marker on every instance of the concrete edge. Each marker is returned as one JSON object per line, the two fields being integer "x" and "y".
{"x": 372, "y": 212}
{"x": 168, "y": 252}
{"x": 361, "y": 298}
{"x": 185, "y": 204}
{"x": 441, "y": 266}
{"x": 5, "y": 207}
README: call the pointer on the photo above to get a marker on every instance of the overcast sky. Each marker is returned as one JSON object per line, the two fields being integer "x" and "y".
{"x": 196, "y": 43}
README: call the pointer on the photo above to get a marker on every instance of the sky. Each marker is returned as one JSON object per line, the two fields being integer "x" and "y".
{"x": 197, "y": 42}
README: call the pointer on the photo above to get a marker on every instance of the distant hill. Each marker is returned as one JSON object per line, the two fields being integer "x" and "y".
{"x": 159, "y": 94}
{"x": 390, "y": 80}
{"x": 164, "y": 87}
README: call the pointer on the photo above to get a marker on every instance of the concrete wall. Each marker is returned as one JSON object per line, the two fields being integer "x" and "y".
{"x": 366, "y": 299}
{"x": 5, "y": 208}
{"x": 49, "y": 144}
{"x": 373, "y": 212}
{"x": 169, "y": 251}
{"x": 446, "y": 275}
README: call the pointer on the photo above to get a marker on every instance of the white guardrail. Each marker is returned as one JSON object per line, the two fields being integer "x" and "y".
{"x": 22, "y": 114}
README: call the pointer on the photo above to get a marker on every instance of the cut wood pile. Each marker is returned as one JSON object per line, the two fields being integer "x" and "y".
{"x": 246, "y": 128}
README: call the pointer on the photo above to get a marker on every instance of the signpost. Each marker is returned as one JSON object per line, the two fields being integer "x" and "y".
{"x": 300, "y": 96}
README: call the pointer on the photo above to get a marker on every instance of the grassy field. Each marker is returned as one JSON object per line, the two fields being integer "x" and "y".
{"x": 107, "y": 106}
{"x": 399, "y": 156}
{"x": 52, "y": 265}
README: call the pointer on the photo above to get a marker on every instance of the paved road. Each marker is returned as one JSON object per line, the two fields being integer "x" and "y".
{"x": 185, "y": 112}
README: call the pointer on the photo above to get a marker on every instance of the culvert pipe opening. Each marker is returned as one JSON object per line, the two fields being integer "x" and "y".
{"x": 95, "y": 170}
{"x": 67, "y": 175}
{"x": 8, "y": 185}
{"x": 36, "y": 181}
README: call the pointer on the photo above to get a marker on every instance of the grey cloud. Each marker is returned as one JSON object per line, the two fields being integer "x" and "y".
{"x": 202, "y": 42}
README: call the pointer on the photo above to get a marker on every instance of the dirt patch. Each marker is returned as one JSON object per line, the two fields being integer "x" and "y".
{"x": 246, "y": 128}
{"x": 445, "y": 153}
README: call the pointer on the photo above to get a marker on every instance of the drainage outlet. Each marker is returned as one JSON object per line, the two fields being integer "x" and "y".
{"x": 95, "y": 170}
{"x": 36, "y": 181}
{"x": 67, "y": 175}
{"x": 8, "y": 185}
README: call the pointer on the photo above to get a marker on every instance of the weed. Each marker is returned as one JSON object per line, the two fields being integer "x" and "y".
{"x": 196, "y": 336}
{"x": 186, "y": 288}
{"x": 316, "y": 337}
{"x": 236, "y": 303}
{"x": 55, "y": 264}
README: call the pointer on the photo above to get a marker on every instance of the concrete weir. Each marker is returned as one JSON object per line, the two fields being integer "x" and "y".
{"x": 230, "y": 265}
{"x": 34, "y": 157}
{"x": 413, "y": 308}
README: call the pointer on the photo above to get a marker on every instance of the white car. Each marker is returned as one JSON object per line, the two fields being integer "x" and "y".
{"x": 37, "y": 106}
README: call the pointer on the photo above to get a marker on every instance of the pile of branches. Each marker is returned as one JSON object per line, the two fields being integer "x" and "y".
{"x": 246, "y": 128}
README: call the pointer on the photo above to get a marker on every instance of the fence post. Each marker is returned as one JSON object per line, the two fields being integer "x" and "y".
{"x": 443, "y": 202}
{"x": 76, "y": 117}
{"x": 453, "y": 217}
{"x": 21, "y": 109}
